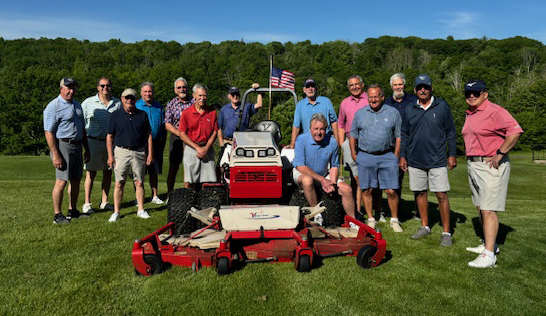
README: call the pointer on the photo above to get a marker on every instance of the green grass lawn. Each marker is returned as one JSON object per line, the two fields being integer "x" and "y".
{"x": 85, "y": 268}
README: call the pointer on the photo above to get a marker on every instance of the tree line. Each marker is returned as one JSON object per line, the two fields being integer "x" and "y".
{"x": 30, "y": 70}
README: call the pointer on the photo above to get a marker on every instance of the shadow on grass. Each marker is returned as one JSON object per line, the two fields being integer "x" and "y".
{"x": 504, "y": 230}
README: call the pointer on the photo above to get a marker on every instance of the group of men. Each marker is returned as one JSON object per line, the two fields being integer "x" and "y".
{"x": 380, "y": 138}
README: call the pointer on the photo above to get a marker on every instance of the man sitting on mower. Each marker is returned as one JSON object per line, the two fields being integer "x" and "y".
{"x": 314, "y": 151}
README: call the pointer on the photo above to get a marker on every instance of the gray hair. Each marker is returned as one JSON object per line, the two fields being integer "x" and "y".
{"x": 198, "y": 86}
{"x": 103, "y": 78}
{"x": 357, "y": 77}
{"x": 377, "y": 86}
{"x": 180, "y": 79}
{"x": 147, "y": 83}
{"x": 318, "y": 117}
{"x": 398, "y": 76}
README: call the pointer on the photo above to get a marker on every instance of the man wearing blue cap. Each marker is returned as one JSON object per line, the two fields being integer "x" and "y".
{"x": 427, "y": 129}
{"x": 234, "y": 116}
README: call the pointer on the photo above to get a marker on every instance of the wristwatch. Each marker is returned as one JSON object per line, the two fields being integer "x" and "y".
{"x": 499, "y": 152}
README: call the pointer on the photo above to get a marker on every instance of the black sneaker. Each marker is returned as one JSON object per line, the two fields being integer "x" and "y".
{"x": 76, "y": 214}
{"x": 60, "y": 219}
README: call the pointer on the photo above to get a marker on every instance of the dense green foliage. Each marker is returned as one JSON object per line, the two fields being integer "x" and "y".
{"x": 515, "y": 70}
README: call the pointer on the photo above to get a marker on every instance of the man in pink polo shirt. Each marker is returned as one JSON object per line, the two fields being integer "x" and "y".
{"x": 357, "y": 100}
{"x": 489, "y": 132}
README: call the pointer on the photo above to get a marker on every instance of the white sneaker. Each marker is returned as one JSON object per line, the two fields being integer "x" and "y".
{"x": 318, "y": 219}
{"x": 106, "y": 206}
{"x": 353, "y": 225}
{"x": 87, "y": 208}
{"x": 114, "y": 217}
{"x": 143, "y": 214}
{"x": 483, "y": 261}
{"x": 480, "y": 249}
{"x": 395, "y": 225}
{"x": 371, "y": 222}
{"x": 157, "y": 200}
{"x": 382, "y": 217}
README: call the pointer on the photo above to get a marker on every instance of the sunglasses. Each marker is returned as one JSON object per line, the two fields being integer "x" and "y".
{"x": 421, "y": 86}
{"x": 476, "y": 94}
{"x": 181, "y": 87}
{"x": 235, "y": 95}
{"x": 105, "y": 85}
{"x": 130, "y": 97}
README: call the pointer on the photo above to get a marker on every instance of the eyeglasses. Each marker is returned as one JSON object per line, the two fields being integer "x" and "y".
{"x": 105, "y": 85}
{"x": 422, "y": 86}
{"x": 181, "y": 87}
{"x": 130, "y": 97}
{"x": 236, "y": 95}
{"x": 476, "y": 94}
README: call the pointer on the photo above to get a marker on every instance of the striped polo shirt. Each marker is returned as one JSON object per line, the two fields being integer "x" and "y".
{"x": 97, "y": 115}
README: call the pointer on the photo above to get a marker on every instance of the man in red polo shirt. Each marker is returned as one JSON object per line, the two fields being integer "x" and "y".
{"x": 489, "y": 132}
{"x": 198, "y": 128}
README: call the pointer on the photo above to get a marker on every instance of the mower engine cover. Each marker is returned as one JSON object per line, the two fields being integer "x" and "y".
{"x": 254, "y": 217}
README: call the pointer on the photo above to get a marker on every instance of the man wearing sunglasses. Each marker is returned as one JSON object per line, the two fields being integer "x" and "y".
{"x": 96, "y": 112}
{"x": 427, "y": 129}
{"x": 489, "y": 132}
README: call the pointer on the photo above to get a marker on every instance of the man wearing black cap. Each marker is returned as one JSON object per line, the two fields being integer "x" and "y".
{"x": 64, "y": 129}
{"x": 489, "y": 132}
{"x": 310, "y": 105}
{"x": 427, "y": 129}
{"x": 234, "y": 117}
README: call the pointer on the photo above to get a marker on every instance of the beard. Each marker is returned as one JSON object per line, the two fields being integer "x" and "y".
{"x": 398, "y": 95}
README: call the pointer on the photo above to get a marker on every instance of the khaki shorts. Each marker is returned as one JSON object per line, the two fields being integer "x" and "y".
{"x": 434, "y": 180}
{"x": 348, "y": 161}
{"x": 296, "y": 174}
{"x": 489, "y": 186}
{"x": 98, "y": 155}
{"x": 130, "y": 159}
{"x": 199, "y": 170}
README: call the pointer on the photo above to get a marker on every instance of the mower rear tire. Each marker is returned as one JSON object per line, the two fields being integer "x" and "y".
{"x": 304, "y": 264}
{"x": 334, "y": 215}
{"x": 210, "y": 197}
{"x": 365, "y": 255}
{"x": 180, "y": 202}
{"x": 222, "y": 266}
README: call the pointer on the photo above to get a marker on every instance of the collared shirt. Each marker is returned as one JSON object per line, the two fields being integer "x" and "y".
{"x": 348, "y": 108}
{"x": 376, "y": 131}
{"x": 174, "y": 109}
{"x": 407, "y": 99}
{"x": 97, "y": 115}
{"x": 64, "y": 119}
{"x": 229, "y": 117}
{"x": 156, "y": 116}
{"x": 317, "y": 156}
{"x": 486, "y": 128}
{"x": 129, "y": 130}
{"x": 305, "y": 110}
{"x": 198, "y": 126}
{"x": 429, "y": 104}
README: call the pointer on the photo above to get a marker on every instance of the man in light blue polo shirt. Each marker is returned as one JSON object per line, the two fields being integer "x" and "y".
{"x": 316, "y": 164}
{"x": 377, "y": 128}
{"x": 309, "y": 106}
{"x": 156, "y": 116}
{"x": 96, "y": 113}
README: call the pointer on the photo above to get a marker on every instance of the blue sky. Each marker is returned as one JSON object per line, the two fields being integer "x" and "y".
{"x": 266, "y": 21}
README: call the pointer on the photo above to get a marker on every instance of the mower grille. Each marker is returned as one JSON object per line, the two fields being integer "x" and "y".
{"x": 256, "y": 177}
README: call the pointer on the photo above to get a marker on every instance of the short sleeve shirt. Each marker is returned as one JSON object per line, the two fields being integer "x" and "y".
{"x": 174, "y": 109}
{"x": 348, "y": 108}
{"x": 376, "y": 131}
{"x": 129, "y": 129}
{"x": 97, "y": 115}
{"x": 64, "y": 119}
{"x": 305, "y": 110}
{"x": 317, "y": 156}
{"x": 156, "y": 116}
{"x": 198, "y": 126}
{"x": 229, "y": 117}
{"x": 486, "y": 128}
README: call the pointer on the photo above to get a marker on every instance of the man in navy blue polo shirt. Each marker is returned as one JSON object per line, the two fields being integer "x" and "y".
{"x": 377, "y": 130}
{"x": 234, "y": 113}
{"x": 129, "y": 131}
{"x": 426, "y": 130}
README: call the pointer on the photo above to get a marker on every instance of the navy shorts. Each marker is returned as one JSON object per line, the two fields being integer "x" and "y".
{"x": 377, "y": 171}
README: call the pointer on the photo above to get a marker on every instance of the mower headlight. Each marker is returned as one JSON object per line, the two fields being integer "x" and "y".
{"x": 249, "y": 153}
{"x": 262, "y": 153}
{"x": 240, "y": 152}
{"x": 271, "y": 151}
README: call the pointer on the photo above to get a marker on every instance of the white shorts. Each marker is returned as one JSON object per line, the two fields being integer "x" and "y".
{"x": 135, "y": 159}
{"x": 489, "y": 186}
{"x": 296, "y": 174}
{"x": 348, "y": 161}
{"x": 199, "y": 170}
{"x": 434, "y": 180}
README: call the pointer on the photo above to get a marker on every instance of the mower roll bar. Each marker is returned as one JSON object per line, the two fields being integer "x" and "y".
{"x": 247, "y": 92}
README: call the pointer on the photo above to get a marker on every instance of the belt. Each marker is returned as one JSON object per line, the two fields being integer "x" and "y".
{"x": 228, "y": 138}
{"x": 131, "y": 147}
{"x": 378, "y": 153}
{"x": 71, "y": 141}
{"x": 477, "y": 158}
{"x": 97, "y": 138}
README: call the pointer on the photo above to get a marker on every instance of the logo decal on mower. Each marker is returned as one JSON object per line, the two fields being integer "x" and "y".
{"x": 263, "y": 216}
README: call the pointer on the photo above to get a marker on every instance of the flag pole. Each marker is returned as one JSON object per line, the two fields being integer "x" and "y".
{"x": 270, "y": 96}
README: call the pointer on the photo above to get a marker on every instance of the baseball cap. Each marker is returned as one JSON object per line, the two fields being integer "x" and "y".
{"x": 234, "y": 90}
{"x": 67, "y": 81}
{"x": 128, "y": 92}
{"x": 475, "y": 85}
{"x": 309, "y": 82}
{"x": 423, "y": 79}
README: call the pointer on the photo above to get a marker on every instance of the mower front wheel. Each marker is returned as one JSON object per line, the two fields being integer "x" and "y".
{"x": 156, "y": 264}
{"x": 365, "y": 255}
{"x": 304, "y": 264}
{"x": 222, "y": 266}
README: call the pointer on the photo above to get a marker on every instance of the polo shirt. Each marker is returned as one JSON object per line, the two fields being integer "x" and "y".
{"x": 174, "y": 109}
{"x": 317, "y": 156}
{"x": 486, "y": 128}
{"x": 401, "y": 106}
{"x": 376, "y": 131}
{"x": 156, "y": 116}
{"x": 229, "y": 117}
{"x": 425, "y": 135}
{"x": 64, "y": 119}
{"x": 305, "y": 110}
{"x": 97, "y": 115}
{"x": 348, "y": 108}
{"x": 198, "y": 126}
{"x": 129, "y": 130}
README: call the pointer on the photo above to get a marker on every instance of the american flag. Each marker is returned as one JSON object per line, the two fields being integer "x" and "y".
{"x": 281, "y": 78}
